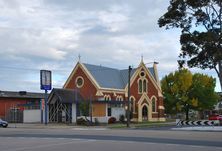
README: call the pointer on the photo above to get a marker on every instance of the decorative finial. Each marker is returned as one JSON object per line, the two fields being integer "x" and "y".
{"x": 79, "y": 57}
{"x": 142, "y": 58}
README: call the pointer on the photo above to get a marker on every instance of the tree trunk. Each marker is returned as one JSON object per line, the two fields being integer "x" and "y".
{"x": 201, "y": 115}
{"x": 220, "y": 42}
{"x": 220, "y": 73}
{"x": 187, "y": 112}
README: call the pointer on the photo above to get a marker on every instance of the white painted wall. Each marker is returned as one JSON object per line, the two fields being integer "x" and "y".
{"x": 31, "y": 116}
{"x": 100, "y": 119}
{"x": 117, "y": 111}
{"x": 73, "y": 113}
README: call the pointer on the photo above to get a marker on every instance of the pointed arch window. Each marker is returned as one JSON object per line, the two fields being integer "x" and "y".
{"x": 140, "y": 86}
{"x": 144, "y": 85}
{"x": 154, "y": 105}
{"x": 133, "y": 104}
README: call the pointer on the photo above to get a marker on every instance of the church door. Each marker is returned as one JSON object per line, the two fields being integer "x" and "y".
{"x": 145, "y": 113}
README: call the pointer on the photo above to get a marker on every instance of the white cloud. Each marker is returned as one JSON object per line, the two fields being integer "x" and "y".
{"x": 114, "y": 19}
{"x": 37, "y": 34}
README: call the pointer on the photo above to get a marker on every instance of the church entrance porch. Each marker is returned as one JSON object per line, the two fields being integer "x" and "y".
{"x": 145, "y": 113}
{"x": 144, "y": 109}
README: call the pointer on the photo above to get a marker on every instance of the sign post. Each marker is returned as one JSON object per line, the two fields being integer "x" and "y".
{"x": 46, "y": 84}
{"x": 42, "y": 108}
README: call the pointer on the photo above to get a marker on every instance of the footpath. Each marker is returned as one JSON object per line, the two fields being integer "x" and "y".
{"x": 51, "y": 126}
{"x": 76, "y": 127}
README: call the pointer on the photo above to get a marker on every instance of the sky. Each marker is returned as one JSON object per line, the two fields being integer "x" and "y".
{"x": 51, "y": 34}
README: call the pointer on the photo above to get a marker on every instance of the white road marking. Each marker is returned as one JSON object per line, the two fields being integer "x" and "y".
{"x": 59, "y": 138}
{"x": 86, "y": 129}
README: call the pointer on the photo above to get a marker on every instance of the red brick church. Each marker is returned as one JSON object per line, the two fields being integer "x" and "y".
{"x": 107, "y": 88}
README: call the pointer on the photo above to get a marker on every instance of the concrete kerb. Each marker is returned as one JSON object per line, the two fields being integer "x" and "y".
{"x": 199, "y": 128}
{"x": 52, "y": 126}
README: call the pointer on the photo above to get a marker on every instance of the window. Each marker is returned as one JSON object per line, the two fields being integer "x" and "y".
{"x": 144, "y": 85}
{"x": 109, "y": 111}
{"x": 119, "y": 98}
{"x": 79, "y": 82}
{"x": 153, "y": 105}
{"x": 133, "y": 104}
{"x": 142, "y": 74}
{"x": 107, "y": 98}
{"x": 140, "y": 86}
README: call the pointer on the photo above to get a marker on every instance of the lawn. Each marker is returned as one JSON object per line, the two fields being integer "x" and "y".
{"x": 141, "y": 124}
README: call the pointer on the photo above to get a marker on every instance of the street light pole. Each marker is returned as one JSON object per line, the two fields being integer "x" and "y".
{"x": 128, "y": 103}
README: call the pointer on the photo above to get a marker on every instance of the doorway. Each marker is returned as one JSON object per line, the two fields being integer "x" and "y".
{"x": 145, "y": 113}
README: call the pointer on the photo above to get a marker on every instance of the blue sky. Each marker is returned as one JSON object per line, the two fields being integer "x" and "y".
{"x": 50, "y": 34}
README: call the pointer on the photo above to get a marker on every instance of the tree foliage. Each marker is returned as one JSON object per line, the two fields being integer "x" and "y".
{"x": 183, "y": 91}
{"x": 201, "y": 32}
{"x": 203, "y": 91}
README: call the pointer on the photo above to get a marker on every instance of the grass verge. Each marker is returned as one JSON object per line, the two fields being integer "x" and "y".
{"x": 140, "y": 125}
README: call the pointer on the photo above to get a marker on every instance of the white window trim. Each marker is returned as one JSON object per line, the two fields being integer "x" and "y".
{"x": 79, "y": 86}
{"x": 142, "y": 79}
{"x": 134, "y": 103}
{"x": 107, "y": 98}
{"x": 153, "y": 99}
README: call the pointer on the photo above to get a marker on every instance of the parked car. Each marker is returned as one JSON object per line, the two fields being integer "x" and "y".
{"x": 215, "y": 117}
{"x": 3, "y": 123}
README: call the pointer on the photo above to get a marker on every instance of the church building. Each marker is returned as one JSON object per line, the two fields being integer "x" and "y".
{"x": 108, "y": 89}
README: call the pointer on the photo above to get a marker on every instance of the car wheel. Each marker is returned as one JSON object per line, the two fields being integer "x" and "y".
{"x": 5, "y": 126}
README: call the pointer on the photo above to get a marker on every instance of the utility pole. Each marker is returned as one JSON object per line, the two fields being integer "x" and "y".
{"x": 76, "y": 100}
{"x": 90, "y": 109}
{"x": 128, "y": 103}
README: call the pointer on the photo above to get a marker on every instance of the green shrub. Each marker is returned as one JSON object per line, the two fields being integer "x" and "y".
{"x": 81, "y": 121}
{"x": 122, "y": 118}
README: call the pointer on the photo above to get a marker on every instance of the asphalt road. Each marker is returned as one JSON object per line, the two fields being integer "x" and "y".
{"x": 15, "y": 139}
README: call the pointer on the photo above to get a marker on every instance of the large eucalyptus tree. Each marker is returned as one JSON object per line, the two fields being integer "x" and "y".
{"x": 201, "y": 32}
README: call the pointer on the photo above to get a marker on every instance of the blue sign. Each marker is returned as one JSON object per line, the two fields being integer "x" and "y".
{"x": 46, "y": 79}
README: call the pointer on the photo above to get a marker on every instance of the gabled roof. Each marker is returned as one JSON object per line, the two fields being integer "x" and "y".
{"x": 64, "y": 96}
{"x": 111, "y": 78}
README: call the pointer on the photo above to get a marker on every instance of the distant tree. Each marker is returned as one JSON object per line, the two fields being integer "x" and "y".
{"x": 201, "y": 32}
{"x": 203, "y": 91}
{"x": 183, "y": 91}
{"x": 175, "y": 88}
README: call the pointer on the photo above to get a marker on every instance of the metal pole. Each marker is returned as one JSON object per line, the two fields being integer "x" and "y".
{"x": 128, "y": 103}
{"x": 46, "y": 107}
{"x": 5, "y": 112}
{"x": 14, "y": 114}
{"x": 90, "y": 109}
{"x": 76, "y": 100}
{"x": 41, "y": 110}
